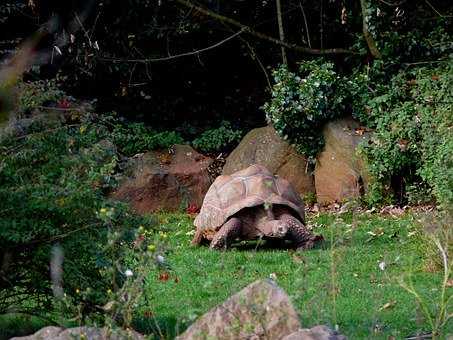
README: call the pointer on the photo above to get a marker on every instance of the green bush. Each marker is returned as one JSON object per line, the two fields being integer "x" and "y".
{"x": 302, "y": 102}
{"x": 37, "y": 93}
{"x": 135, "y": 138}
{"x": 53, "y": 182}
{"x": 412, "y": 141}
{"x": 218, "y": 139}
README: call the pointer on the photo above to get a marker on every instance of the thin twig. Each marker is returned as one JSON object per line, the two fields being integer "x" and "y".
{"x": 150, "y": 60}
{"x": 321, "y": 26}
{"x": 399, "y": 3}
{"x": 436, "y": 11}
{"x": 262, "y": 36}
{"x": 306, "y": 23}
{"x": 85, "y": 32}
{"x": 254, "y": 56}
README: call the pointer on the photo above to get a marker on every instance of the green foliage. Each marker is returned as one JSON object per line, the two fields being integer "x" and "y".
{"x": 53, "y": 182}
{"x": 134, "y": 138}
{"x": 37, "y": 93}
{"x": 218, "y": 139}
{"x": 412, "y": 140}
{"x": 302, "y": 102}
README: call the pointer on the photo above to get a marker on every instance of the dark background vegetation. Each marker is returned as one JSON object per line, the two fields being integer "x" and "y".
{"x": 228, "y": 82}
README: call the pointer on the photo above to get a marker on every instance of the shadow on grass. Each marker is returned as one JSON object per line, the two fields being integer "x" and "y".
{"x": 269, "y": 245}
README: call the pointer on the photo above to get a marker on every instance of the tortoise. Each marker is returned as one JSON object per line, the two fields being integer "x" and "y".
{"x": 252, "y": 204}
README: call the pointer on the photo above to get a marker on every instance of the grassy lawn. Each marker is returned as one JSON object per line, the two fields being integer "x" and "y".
{"x": 339, "y": 283}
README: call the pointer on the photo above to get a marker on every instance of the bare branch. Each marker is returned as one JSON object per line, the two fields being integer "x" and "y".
{"x": 262, "y": 36}
{"x": 436, "y": 11}
{"x": 150, "y": 60}
{"x": 306, "y": 23}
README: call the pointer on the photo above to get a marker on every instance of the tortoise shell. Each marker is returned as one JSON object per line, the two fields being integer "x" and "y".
{"x": 251, "y": 187}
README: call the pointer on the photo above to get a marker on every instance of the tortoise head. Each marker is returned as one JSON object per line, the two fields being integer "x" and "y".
{"x": 275, "y": 228}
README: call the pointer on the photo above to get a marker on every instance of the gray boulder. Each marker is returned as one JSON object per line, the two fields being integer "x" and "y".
{"x": 261, "y": 310}
{"x": 89, "y": 333}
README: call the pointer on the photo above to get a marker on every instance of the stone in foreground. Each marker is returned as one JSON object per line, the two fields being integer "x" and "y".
{"x": 159, "y": 180}
{"x": 89, "y": 333}
{"x": 315, "y": 333}
{"x": 261, "y": 310}
{"x": 263, "y": 146}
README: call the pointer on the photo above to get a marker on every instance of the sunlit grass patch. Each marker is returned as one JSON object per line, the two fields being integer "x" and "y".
{"x": 351, "y": 280}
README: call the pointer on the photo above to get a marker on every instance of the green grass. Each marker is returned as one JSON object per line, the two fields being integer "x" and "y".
{"x": 338, "y": 283}
{"x": 347, "y": 263}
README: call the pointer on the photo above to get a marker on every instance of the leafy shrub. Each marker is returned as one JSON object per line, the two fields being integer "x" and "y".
{"x": 412, "y": 142}
{"x": 134, "y": 138}
{"x": 218, "y": 139}
{"x": 52, "y": 186}
{"x": 37, "y": 93}
{"x": 302, "y": 102}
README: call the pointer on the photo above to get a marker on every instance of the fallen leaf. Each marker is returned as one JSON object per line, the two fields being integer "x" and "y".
{"x": 449, "y": 283}
{"x": 360, "y": 131}
{"x": 388, "y": 305}
{"x": 164, "y": 276}
{"x": 148, "y": 314}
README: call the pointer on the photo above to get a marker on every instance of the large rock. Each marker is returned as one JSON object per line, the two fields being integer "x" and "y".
{"x": 340, "y": 174}
{"x": 262, "y": 310}
{"x": 263, "y": 146}
{"x": 89, "y": 333}
{"x": 160, "y": 180}
{"x": 315, "y": 333}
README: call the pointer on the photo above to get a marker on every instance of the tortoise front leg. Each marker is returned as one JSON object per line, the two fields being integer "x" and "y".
{"x": 227, "y": 233}
{"x": 298, "y": 233}
{"x": 198, "y": 237}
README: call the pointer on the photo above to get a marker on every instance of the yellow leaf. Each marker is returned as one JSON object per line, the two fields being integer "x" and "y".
{"x": 388, "y": 305}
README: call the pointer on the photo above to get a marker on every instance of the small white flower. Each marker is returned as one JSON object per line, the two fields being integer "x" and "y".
{"x": 382, "y": 265}
{"x": 160, "y": 259}
{"x": 128, "y": 273}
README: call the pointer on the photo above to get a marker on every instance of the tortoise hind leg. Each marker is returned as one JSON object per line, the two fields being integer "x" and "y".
{"x": 299, "y": 234}
{"x": 227, "y": 233}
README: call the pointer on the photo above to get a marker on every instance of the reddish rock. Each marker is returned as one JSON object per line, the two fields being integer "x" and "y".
{"x": 264, "y": 147}
{"x": 159, "y": 180}
{"x": 261, "y": 310}
{"x": 340, "y": 173}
